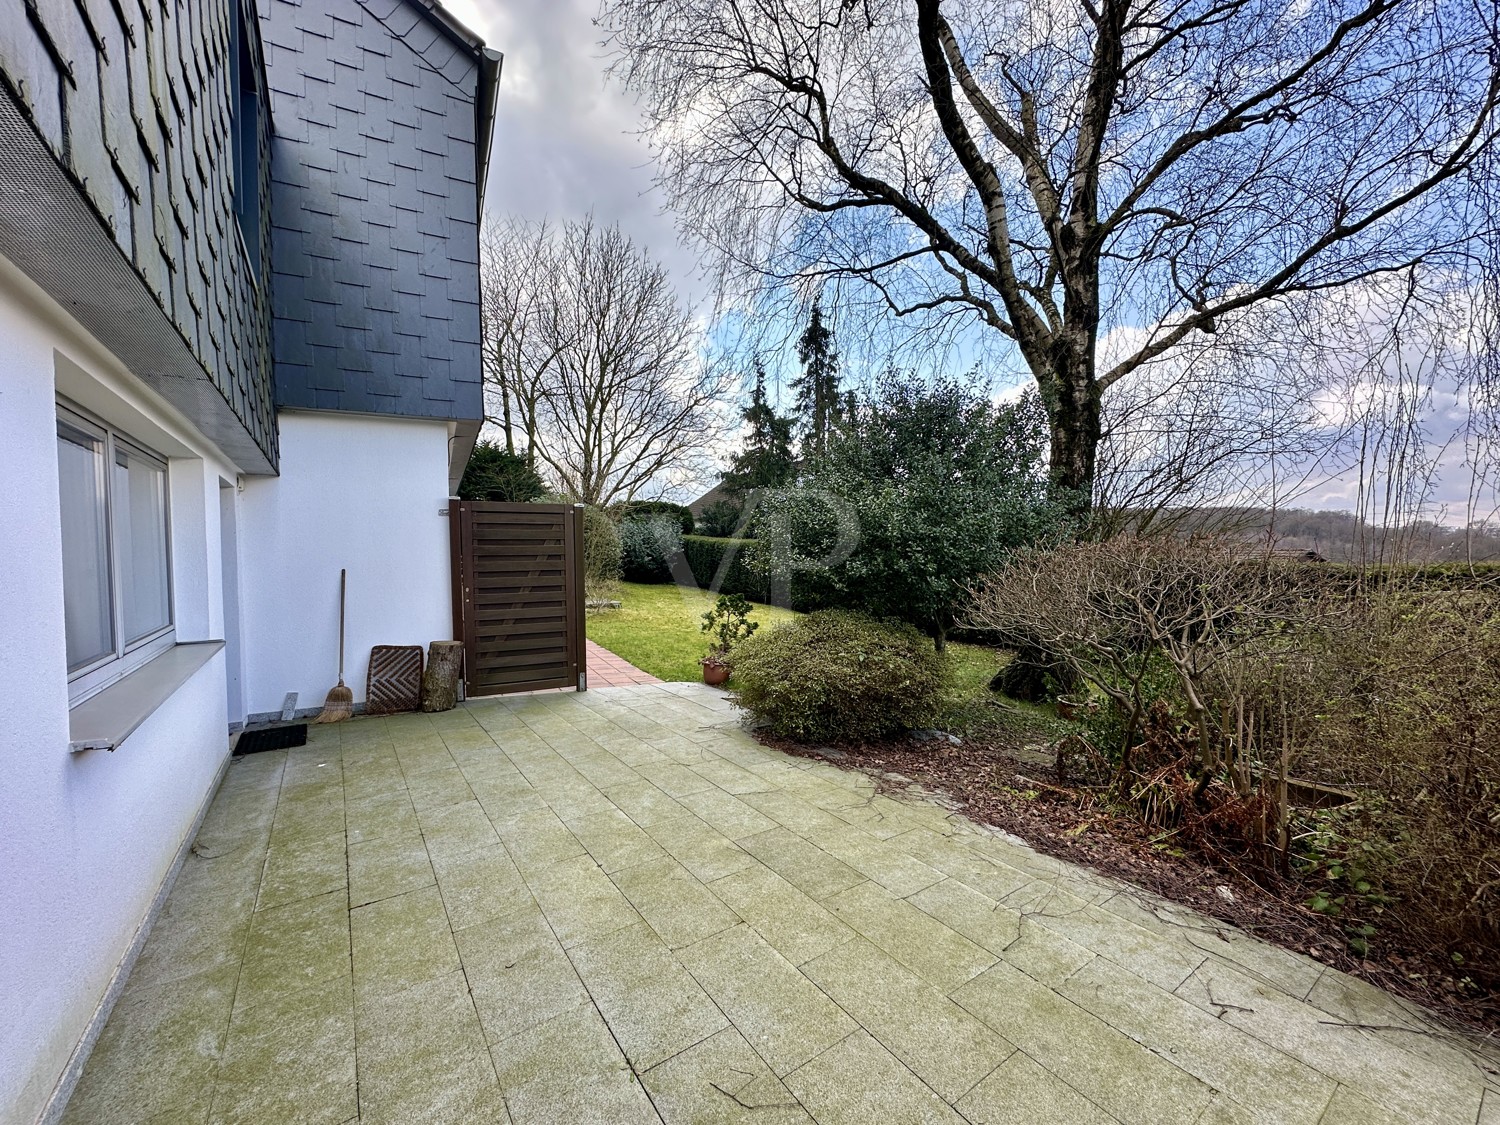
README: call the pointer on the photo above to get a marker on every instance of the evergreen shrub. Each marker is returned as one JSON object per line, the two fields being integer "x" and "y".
{"x": 705, "y": 556}
{"x": 647, "y": 548}
{"x": 835, "y": 676}
{"x": 601, "y": 552}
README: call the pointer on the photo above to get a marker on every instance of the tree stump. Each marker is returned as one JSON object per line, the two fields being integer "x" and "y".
{"x": 445, "y": 664}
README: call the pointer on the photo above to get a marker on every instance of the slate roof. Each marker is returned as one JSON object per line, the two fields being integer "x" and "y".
{"x": 377, "y": 163}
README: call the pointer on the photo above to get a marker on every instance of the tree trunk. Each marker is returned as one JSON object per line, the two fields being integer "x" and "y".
{"x": 445, "y": 662}
{"x": 1075, "y": 414}
{"x": 510, "y": 441}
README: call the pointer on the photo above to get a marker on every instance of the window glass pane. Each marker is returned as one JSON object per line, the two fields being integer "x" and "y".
{"x": 87, "y": 610}
{"x": 140, "y": 501}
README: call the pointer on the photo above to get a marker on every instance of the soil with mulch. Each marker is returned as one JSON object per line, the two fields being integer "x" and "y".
{"x": 997, "y": 788}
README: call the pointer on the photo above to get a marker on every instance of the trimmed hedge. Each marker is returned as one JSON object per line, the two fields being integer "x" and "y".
{"x": 833, "y": 676}
{"x": 644, "y": 509}
{"x": 647, "y": 548}
{"x": 705, "y": 555}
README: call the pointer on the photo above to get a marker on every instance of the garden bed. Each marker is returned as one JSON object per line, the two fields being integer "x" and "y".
{"x": 1011, "y": 787}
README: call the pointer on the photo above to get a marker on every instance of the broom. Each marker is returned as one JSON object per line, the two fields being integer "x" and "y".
{"x": 340, "y": 702}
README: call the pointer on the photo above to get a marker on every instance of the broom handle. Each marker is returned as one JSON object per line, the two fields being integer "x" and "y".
{"x": 343, "y": 579}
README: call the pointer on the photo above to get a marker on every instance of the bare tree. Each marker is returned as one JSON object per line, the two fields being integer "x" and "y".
{"x": 517, "y": 348}
{"x": 1055, "y": 170}
{"x": 594, "y": 361}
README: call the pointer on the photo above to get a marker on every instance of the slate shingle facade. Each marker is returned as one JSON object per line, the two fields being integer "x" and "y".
{"x": 117, "y": 151}
{"x": 378, "y": 171}
{"x": 116, "y": 154}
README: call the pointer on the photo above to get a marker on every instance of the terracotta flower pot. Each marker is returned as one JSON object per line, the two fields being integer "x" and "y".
{"x": 715, "y": 674}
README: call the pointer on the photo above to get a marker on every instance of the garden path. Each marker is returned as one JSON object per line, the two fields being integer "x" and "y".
{"x": 608, "y": 670}
{"x": 616, "y": 906}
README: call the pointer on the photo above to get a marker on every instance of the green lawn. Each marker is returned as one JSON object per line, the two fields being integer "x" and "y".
{"x": 974, "y": 666}
{"x": 656, "y": 628}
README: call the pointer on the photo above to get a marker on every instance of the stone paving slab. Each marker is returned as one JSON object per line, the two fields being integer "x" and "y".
{"x": 616, "y": 906}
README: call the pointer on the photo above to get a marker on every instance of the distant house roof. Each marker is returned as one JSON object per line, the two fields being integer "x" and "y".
{"x": 712, "y": 496}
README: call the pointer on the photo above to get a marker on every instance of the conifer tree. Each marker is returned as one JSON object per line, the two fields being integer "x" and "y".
{"x": 766, "y": 460}
{"x": 819, "y": 403}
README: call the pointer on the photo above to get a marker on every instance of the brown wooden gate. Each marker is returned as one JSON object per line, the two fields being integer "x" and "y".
{"x": 518, "y": 595}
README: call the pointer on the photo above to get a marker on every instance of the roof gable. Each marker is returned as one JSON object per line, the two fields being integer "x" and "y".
{"x": 427, "y": 28}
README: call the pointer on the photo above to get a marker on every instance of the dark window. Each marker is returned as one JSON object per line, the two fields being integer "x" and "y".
{"x": 245, "y": 94}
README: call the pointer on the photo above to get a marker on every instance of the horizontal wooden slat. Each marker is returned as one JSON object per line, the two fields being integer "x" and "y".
{"x": 488, "y": 506}
{"x": 531, "y": 523}
{"x": 519, "y": 628}
{"x": 530, "y": 642}
{"x": 519, "y": 673}
{"x": 501, "y": 617}
{"x": 493, "y": 639}
{"x": 524, "y": 536}
{"x": 498, "y": 655}
{"x": 508, "y": 547}
{"x": 514, "y": 635}
{"x": 530, "y": 611}
{"x": 526, "y": 679}
{"x": 505, "y": 568}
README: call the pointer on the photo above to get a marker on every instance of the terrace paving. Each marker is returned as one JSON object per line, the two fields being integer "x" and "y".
{"x": 617, "y": 907}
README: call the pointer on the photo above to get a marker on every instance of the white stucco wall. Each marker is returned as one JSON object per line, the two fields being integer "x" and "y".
{"x": 359, "y": 492}
{"x": 85, "y": 839}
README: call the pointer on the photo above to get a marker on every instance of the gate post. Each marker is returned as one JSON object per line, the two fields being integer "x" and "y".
{"x": 577, "y": 631}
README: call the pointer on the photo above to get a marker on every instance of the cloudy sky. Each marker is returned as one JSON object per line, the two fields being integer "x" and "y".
{"x": 565, "y": 140}
{"x": 566, "y": 145}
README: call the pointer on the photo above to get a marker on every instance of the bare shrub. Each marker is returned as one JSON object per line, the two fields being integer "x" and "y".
{"x": 1112, "y": 611}
{"x": 601, "y": 554}
{"x": 1249, "y": 691}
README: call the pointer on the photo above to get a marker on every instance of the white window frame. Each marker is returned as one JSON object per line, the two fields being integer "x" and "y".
{"x": 92, "y": 678}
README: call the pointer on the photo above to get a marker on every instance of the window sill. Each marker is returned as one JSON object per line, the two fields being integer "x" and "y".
{"x": 104, "y": 720}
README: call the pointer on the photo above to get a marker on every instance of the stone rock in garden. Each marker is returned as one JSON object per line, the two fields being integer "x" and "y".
{"x": 937, "y": 736}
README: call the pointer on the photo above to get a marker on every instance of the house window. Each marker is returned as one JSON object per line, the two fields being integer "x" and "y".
{"x": 117, "y": 579}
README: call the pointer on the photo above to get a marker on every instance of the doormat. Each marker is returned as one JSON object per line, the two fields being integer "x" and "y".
{"x": 280, "y": 736}
{"x": 395, "y": 680}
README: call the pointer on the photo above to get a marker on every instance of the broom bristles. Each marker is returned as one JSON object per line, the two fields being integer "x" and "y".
{"x": 338, "y": 706}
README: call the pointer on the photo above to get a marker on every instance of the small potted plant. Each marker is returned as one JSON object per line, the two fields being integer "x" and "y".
{"x": 727, "y": 624}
